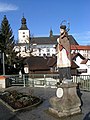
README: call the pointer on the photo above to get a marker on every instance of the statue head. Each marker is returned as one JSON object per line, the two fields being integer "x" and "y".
{"x": 62, "y": 28}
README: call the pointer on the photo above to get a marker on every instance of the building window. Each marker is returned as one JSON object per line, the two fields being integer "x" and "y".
{"x": 48, "y": 50}
{"x": 39, "y": 54}
{"x": 48, "y": 54}
{"x": 88, "y": 66}
{"x": 23, "y": 36}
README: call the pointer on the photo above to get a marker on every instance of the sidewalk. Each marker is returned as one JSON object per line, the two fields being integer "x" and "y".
{"x": 40, "y": 112}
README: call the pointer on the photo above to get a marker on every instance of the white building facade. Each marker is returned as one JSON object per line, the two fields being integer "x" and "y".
{"x": 83, "y": 50}
{"x": 83, "y": 63}
{"x": 40, "y": 46}
{"x": 23, "y": 32}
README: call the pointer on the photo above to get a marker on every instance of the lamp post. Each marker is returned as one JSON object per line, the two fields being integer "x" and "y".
{"x": 3, "y": 63}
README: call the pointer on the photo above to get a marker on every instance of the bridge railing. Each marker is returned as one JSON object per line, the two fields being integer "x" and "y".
{"x": 83, "y": 80}
{"x": 47, "y": 80}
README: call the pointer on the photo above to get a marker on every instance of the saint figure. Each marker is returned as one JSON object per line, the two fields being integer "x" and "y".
{"x": 63, "y": 55}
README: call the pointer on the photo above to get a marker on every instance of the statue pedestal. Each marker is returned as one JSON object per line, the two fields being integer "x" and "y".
{"x": 67, "y": 101}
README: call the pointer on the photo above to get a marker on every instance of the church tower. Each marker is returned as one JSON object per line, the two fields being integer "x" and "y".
{"x": 23, "y": 32}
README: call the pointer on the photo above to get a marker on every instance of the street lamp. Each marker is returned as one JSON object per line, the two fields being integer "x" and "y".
{"x": 3, "y": 58}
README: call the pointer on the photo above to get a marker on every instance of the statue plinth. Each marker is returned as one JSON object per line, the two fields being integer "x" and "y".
{"x": 66, "y": 102}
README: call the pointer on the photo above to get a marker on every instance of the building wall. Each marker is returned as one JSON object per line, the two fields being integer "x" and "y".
{"x": 84, "y": 68}
{"x": 88, "y": 65}
{"x": 23, "y": 36}
{"x": 45, "y": 49}
{"x": 84, "y": 53}
{"x": 48, "y": 50}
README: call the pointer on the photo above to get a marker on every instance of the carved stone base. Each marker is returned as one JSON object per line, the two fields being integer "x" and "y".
{"x": 68, "y": 104}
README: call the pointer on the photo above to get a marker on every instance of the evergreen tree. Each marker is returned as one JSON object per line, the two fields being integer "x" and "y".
{"x": 7, "y": 42}
{"x": 1, "y": 42}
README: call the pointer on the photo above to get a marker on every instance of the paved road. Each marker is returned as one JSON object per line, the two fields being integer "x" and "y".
{"x": 41, "y": 112}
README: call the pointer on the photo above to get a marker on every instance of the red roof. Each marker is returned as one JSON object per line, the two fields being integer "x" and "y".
{"x": 2, "y": 77}
{"x": 79, "y": 47}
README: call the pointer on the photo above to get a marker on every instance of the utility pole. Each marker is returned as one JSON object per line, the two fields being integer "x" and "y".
{"x": 3, "y": 64}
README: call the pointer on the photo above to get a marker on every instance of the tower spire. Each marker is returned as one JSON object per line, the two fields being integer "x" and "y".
{"x": 51, "y": 32}
{"x": 23, "y": 23}
{"x": 23, "y": 14}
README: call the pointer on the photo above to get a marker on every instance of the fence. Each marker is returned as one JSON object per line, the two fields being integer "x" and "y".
{"x": 83, "y": 80}
{"x": 47, "y": 80}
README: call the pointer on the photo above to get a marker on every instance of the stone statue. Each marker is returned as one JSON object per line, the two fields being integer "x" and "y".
{"x": 63, "y": 55}
{"x": 66, "y": 102}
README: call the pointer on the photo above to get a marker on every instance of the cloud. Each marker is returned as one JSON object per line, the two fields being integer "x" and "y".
{"x": 4, "y": 7}
{"x": 82, "y": 38}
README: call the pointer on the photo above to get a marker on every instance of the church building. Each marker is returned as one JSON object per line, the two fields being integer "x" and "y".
{"x": 36, "y": 46}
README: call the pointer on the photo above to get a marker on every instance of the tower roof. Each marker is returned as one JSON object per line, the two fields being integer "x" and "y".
{"x": 51, "y": 33}
{"x": 23, "y": 24}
